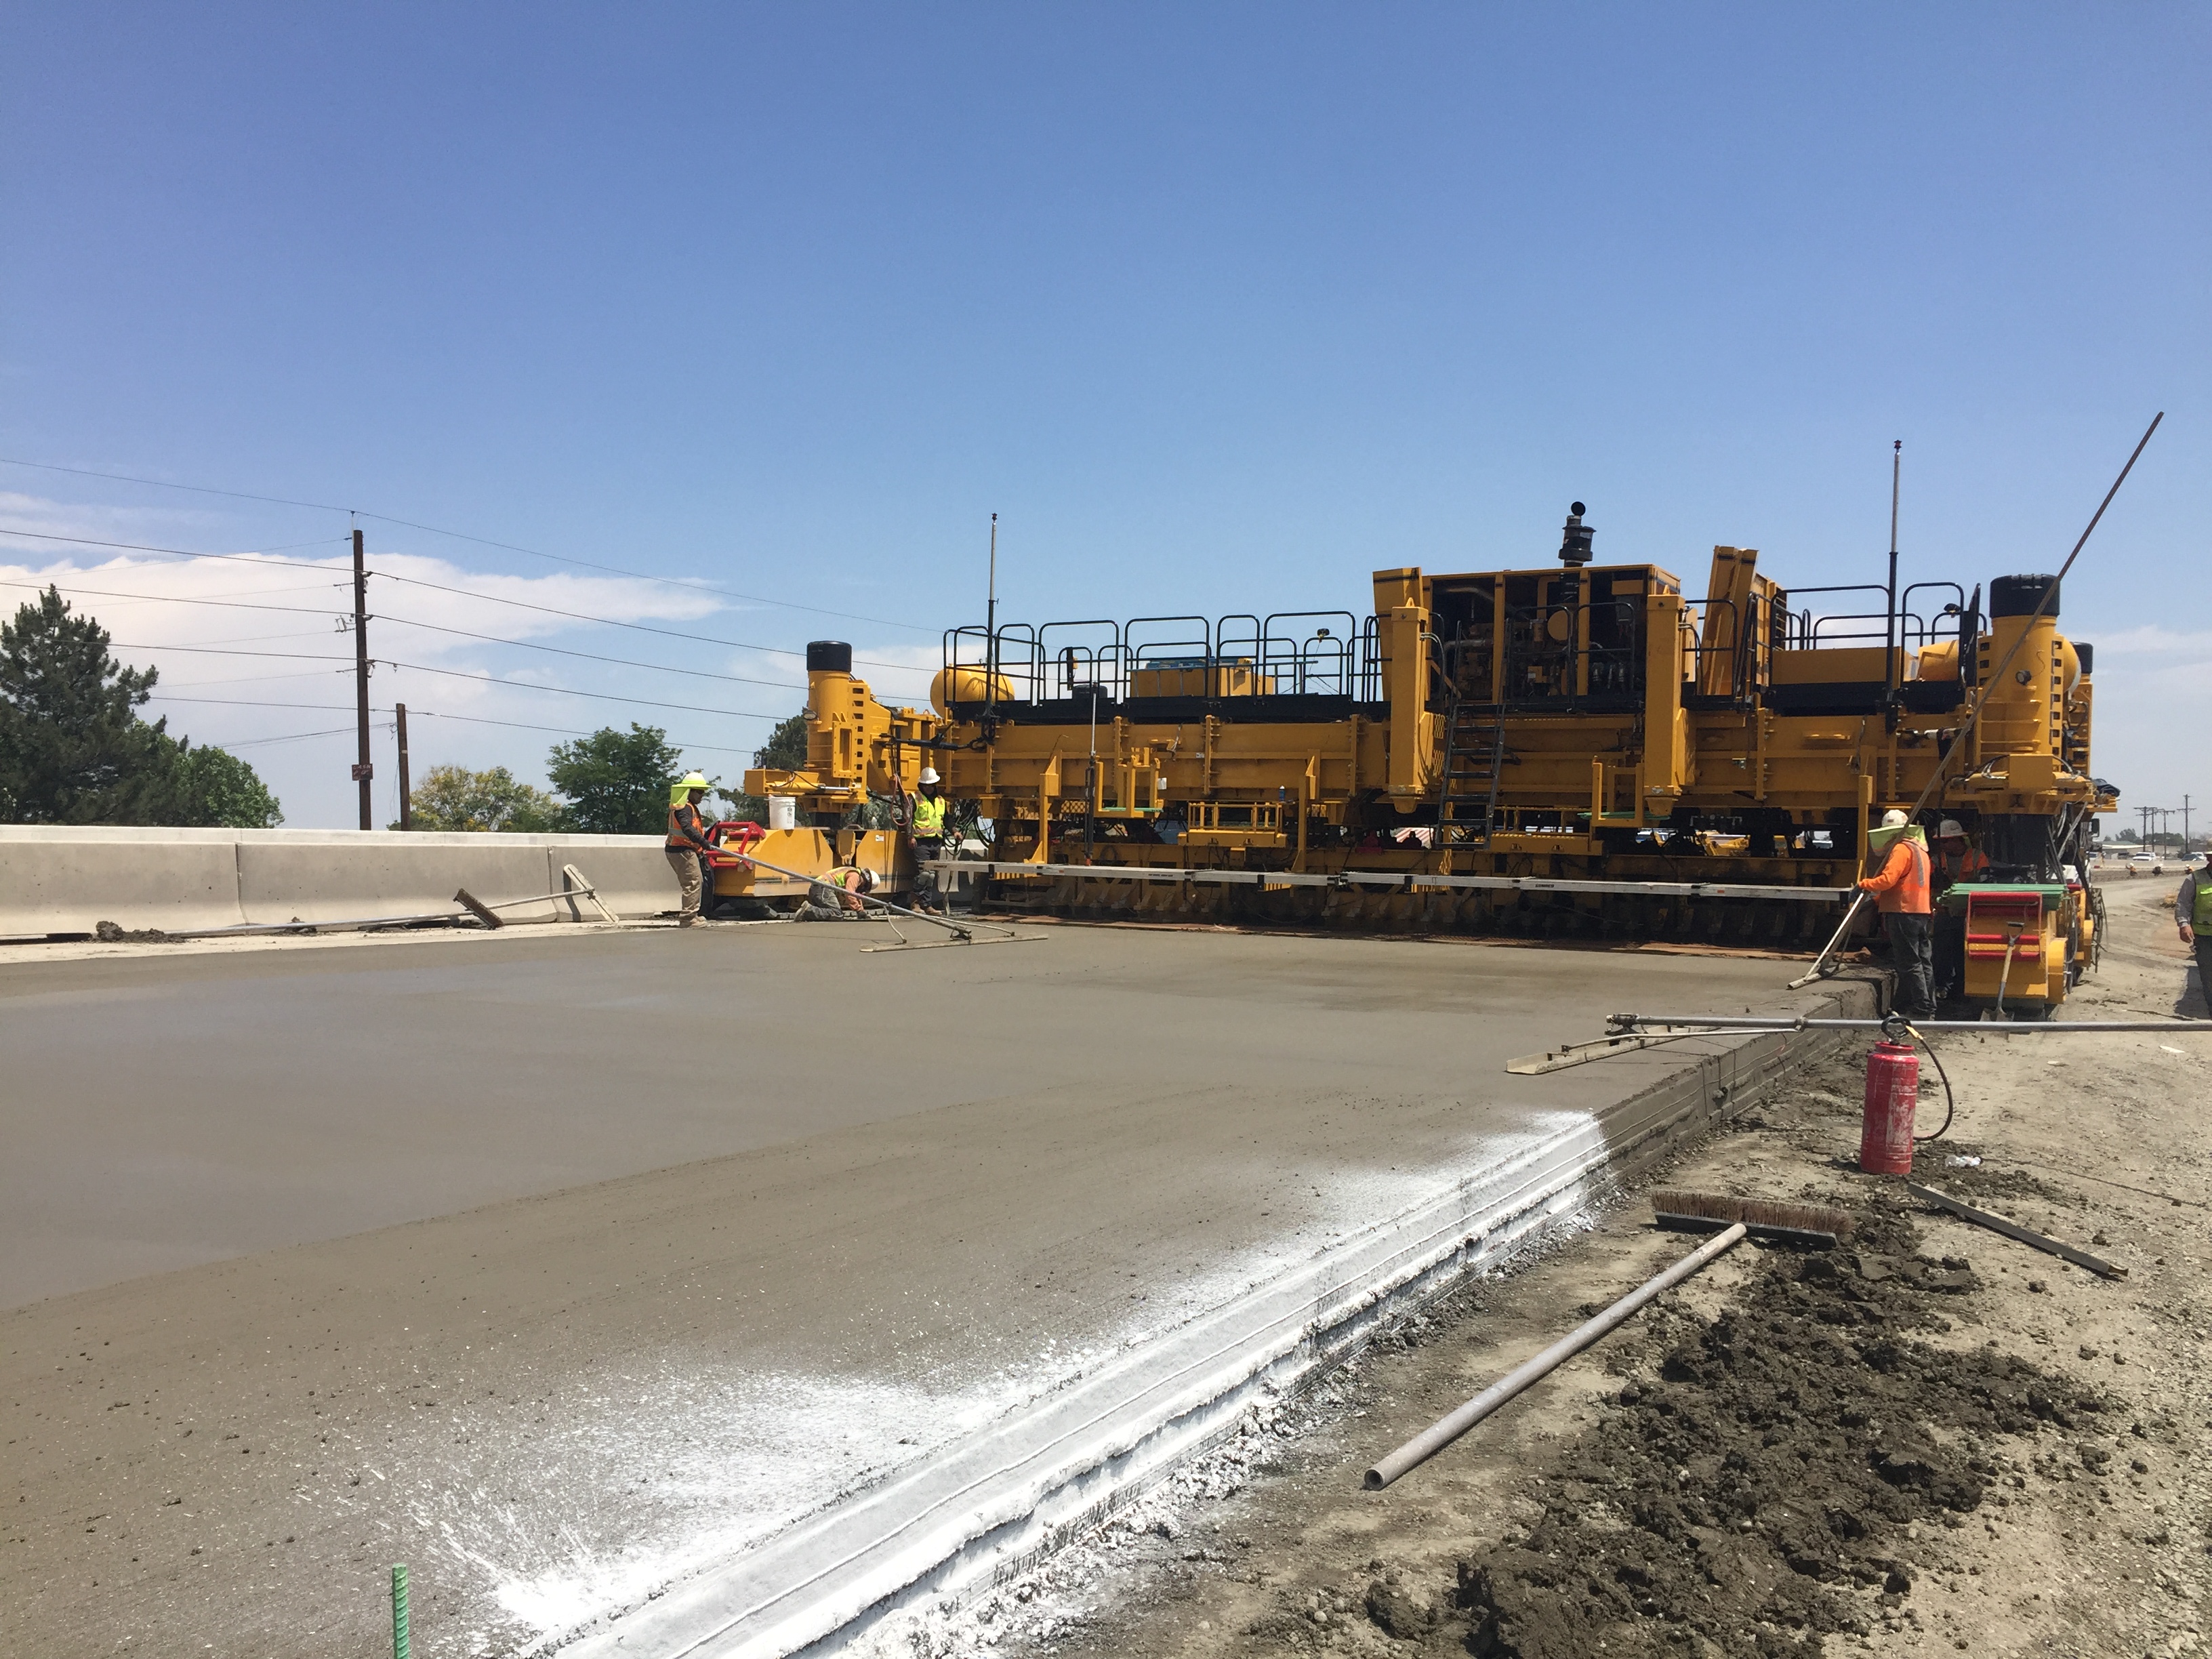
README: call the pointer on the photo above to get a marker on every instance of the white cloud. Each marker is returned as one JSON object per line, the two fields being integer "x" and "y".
{"x": 252, "y": 653}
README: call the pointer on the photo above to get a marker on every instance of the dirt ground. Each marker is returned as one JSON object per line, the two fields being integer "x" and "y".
{"x": 1933, "y": 1440}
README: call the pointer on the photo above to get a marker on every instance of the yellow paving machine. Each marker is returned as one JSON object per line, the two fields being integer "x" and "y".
{"x": 1578, "y": 748}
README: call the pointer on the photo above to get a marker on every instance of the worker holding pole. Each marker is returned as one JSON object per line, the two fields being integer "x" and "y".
{"x": 689, "y": 838}
{"x": 926, "y": 823}
{"x": 1901, "y": 889}
{"x": 2192, "y": 915}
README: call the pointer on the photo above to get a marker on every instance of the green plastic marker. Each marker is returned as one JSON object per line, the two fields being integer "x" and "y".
{"x": 400, "y": 1648}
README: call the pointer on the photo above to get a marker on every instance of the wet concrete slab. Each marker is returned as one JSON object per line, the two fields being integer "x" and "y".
{"x": 563, "y": 1267}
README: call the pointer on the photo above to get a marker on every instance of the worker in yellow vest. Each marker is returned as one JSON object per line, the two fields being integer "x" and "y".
{"x": 836, "y": 895}
{"x": 924, "y": 817}
{"x": 2192, "y": 919}
{"x": 690, "y": 835}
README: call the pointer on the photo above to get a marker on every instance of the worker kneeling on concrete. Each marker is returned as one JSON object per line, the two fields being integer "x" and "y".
{"x": 835, "y": 897}
{"x": 1900, "y": 888}
{"x": 689, "y": 837}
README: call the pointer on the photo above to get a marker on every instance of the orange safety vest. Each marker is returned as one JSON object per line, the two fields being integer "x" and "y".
{"x": 1902, "y": 886}
{"x": 687, "y": 829}
{"x": 1972, "y": 865}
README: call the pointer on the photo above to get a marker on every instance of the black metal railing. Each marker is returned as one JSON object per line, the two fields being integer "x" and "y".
{"x": 1304, "y": 653}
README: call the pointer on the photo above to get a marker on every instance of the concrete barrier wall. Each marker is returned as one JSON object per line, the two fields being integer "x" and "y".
{"x": 348, "y": 881}
{"x": 67, "y": 880}
{"x": 64, "y": 880}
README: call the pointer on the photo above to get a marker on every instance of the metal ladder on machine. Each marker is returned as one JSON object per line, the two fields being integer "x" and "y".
{"x": 1475, "y": 764}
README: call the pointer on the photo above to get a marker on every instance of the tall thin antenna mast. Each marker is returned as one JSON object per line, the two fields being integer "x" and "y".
{"x": 990, "y": 629}
{"x": 1890, "y": 672}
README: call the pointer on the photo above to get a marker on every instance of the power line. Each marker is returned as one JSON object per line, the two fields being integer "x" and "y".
{"x": 639, "y": 628}
{"x": 442, "y": 587}
{"x": 404, "y": 622}
{"x": 260, "y": 555}
{"x": 417, "y": 713}
{"x": 593, "y": 656}
{"x": 293, "y": 736}
{"x": 401, "y": 621}
{"x": 459, "y": 674}
{"x": 564, "y": 691}
{"x": 459, "y": 535}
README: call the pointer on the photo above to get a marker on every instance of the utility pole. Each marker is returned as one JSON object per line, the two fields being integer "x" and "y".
{"x": 406, "y": 794}
{"x": 363, "y": 770}
{"x": 2185, "y": 827}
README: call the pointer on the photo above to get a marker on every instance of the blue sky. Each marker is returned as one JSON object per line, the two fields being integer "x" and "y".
{"x": 1219, "y": 307}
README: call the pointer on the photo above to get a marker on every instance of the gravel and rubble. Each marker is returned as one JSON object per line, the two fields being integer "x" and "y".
{"x": 1933, "y": 1440}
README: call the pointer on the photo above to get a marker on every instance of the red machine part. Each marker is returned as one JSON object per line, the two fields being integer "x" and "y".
{"x": 732, "y": 836}
{"x": 1892, "y": 1093}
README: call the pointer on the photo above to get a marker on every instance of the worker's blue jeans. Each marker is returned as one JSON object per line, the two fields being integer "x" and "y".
{"x": 1912, "y": 943}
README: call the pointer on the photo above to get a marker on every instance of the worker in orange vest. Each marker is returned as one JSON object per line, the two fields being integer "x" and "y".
{"x": 691, "y": 835}
{"x": 1955, "y": 860}
{"x": 1900, "y": 888}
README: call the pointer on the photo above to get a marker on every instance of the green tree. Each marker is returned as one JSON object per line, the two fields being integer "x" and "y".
{"x": 225, "y": 790}
{"x": 784, "y": 752}
{"x": 454, "y": 798}
{"x": 617, "y": 783}
{"x": 72, "y": 747}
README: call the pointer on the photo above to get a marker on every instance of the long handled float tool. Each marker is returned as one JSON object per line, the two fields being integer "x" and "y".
{"x": 962, "y": 933}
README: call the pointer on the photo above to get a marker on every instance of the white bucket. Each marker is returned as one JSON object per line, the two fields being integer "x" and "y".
{"x": 783, "y": 812}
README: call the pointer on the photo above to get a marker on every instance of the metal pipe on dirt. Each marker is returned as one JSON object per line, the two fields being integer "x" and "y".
{"x": 1447, "y": 1429}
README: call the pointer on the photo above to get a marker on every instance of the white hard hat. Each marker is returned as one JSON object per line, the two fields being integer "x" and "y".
{"x": 1894, "y": 819}
{"x": 1948, "y": 828}
{"x": 929, "y": 775}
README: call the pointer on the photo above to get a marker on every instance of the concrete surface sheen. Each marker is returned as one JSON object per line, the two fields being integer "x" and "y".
{"x": 562, "y": 1269}
{"x": 158, "y": 1116}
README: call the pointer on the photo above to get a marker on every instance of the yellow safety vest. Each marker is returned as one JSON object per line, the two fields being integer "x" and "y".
{"x": 928, "y": 818}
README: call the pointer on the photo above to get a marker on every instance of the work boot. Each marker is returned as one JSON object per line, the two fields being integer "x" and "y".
{"x": 687, "y": 922}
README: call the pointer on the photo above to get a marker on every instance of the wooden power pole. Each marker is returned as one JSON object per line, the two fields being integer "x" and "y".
{"x": 406, "y": 792}
{"x": 363, "y": 768}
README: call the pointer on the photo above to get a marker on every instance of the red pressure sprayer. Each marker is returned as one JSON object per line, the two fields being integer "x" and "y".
{"x": 1892, "y": 1091}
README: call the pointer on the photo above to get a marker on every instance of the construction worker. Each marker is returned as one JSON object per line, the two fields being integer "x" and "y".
{"x": 925, "y": 816}
{"x": 689, "y": 837}
{"x": 1900, "y": 887}
{"x": 836, "y": 895}
{"x": 1955, "y": 860}
{"x": 2192, "y": 916}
